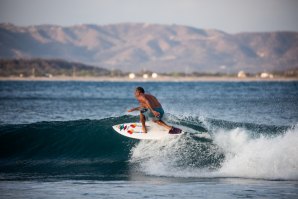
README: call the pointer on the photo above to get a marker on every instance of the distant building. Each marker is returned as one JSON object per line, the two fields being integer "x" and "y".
{"x": 145, "y": 76}
{"x": 154, "y": 75}
{"x": 266, "y": 75}
{"x": 242, "y": 74}
{"x": 49, "y": 75}
{"x": 131, "y": 76}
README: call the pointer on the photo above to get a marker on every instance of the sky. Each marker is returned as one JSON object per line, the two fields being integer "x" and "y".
{"x": 231, "y": 16}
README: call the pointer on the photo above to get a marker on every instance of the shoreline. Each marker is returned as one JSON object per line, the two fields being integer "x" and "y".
{"x": 158, "y": 79}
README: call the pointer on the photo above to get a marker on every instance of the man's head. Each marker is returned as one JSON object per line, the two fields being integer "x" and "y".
{"x": 139, "y": 91}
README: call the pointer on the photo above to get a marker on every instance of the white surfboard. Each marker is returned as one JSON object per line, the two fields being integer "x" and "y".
{"x": 134, "y": 130}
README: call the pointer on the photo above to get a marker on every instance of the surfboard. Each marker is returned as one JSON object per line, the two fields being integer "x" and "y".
{"x": 134, "y": 130}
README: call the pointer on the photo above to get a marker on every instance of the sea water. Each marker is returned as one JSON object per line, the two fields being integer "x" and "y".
{"x": 56, "y": 141}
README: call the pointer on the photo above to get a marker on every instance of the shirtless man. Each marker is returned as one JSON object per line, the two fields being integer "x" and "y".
{"x": 150, "y": 108}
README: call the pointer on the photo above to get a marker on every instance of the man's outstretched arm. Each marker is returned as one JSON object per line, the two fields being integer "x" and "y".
{"x": 134, "y": 109}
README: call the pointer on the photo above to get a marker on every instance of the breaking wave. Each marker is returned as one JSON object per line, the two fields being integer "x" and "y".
{"x": 211, "y": 148}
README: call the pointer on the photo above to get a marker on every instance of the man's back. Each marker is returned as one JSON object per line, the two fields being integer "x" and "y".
{"x": 152, "y": 100}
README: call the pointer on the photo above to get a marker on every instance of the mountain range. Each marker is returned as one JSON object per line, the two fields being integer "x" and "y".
{"x": 160, "y": 48}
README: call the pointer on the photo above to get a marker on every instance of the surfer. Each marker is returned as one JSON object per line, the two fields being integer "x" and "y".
{"x": 150, "y": 108}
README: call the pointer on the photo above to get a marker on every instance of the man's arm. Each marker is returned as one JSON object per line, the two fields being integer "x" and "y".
{"x": 134, "y": 109}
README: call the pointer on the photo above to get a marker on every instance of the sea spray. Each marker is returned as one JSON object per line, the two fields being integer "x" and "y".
{"x": 173, "y": 156}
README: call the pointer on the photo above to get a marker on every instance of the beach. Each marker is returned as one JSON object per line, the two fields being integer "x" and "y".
{"x": 158, "y": 79}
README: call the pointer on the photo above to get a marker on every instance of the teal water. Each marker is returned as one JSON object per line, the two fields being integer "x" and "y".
{"x": 56, "y": 141}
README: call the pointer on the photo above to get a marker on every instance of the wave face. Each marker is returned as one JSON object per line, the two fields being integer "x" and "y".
{"x": 211, "y": 148}
{"x": 64, "y": 148}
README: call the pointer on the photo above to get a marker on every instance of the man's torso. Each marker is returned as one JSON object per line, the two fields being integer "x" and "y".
{"x": 152, "y": 101}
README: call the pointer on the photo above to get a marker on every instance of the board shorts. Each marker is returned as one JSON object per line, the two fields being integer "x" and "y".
{"x": 149, "y": 115}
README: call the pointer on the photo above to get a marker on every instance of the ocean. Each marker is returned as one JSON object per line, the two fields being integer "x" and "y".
{"x": 57, "y": 141}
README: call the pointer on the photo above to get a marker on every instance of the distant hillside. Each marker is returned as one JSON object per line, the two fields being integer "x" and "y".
{"x": 161, "y": 48}
{"x": 40, "y": 68}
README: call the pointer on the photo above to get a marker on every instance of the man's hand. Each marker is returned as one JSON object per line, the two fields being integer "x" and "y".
{"x": 156, "y": 114}
{"x": 130, "y": 110}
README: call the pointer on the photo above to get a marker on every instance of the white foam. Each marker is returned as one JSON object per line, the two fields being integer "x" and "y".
{"x": 263, "y": 157}
{"x": 268, "y": 158}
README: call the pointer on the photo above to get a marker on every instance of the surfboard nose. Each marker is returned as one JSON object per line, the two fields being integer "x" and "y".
{"x": 116, "y": 127}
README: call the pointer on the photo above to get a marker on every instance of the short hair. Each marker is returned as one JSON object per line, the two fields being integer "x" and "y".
{"x": 140, "y": 89}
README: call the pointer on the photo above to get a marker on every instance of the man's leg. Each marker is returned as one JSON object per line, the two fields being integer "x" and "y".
{"x": 160, "y": 122}
{"x": 143, "y": 120}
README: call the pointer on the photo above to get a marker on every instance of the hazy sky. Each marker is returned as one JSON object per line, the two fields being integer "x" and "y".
{"x": 227, "y": 15}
